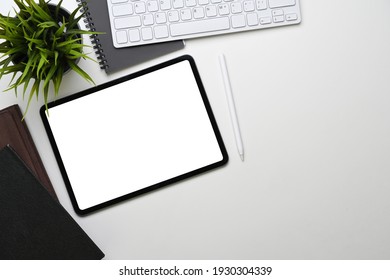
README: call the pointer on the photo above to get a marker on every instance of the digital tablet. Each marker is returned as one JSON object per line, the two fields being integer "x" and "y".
{"x": 134, "y": 134}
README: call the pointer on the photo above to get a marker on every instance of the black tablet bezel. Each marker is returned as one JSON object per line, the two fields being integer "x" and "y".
{"x": 83, "y": 93}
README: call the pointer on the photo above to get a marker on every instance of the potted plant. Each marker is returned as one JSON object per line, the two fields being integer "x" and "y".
{"x": 39, "y": 44}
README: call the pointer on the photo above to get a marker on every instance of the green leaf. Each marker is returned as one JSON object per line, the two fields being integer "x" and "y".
{"x": 25, "y": 23}
{"x": 26, "y": 83}
{"x": 81, "y": 72}
{"x": 40, "y": 13}
{"x": 61, "y": 30}
{"x": 50, "y": 74}
{"x": 30, "y": 63}
{"x": 69, "y": 42}
{"x": 47, "y": 24}
{"x": 57, "y": 80}
{"x": 35, "y": 88}
{"x": 56, "y": 57}
{"x": 42, "y": 62}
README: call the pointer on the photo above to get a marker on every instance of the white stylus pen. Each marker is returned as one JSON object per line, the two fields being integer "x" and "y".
{"x": 232, "y": 107}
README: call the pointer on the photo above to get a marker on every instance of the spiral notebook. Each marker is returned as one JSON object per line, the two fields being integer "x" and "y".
{"x": 110, "y": 58}
{"x": 134, "y": 134}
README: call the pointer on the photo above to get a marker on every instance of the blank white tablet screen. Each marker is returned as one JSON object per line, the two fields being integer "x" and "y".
{"x": 134, "y": 134}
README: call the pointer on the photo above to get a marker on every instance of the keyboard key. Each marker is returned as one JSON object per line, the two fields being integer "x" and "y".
{"x": 223, "y": 9}
{"x": 198, "y": 13}
{"x": 203, "y": 2}
{"x": 127, "y": 22}
{"x": 147, "y": 33}
{"x": 238, "y": 21}
{"x": 201, "y": 26}
{"x": 261, "y": 4}
{"x": 161, "y": 18}
{"x": 134, "y": 35}
{"x": 265, "y": 20}
{"x": 173, "y": 16}
{"x": 148, "y": 19}
{"x": 118, "y": 1}
{"x": 278, "y": 19}
{"x": 121, "y": 37}
{"x": 140, "y": 7}
{"x": 190, "y": 3}
{"x": 185, "y": 14}
{"x": 211, "y": 11}
{"x": 281, "y": 3}
{"x": 165, "y": 5}
{"x": 177, "y": 4}
{"x": 236, "y": 7}
{"x": 249, "y": 6}
{"x": 291, "y": 17}
{"x": 161, "y": 31}
{"x": 122, "y": 10}
{"x": 252, "y": 19}
{"x": 152, "y": 6}
{"x": 277, "y": 13}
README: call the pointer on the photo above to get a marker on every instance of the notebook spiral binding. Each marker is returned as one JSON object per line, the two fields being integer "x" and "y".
{"x": 94, "y": 37}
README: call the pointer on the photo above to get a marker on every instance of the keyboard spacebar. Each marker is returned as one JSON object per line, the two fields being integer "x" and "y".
{"x": 201, "y": 26}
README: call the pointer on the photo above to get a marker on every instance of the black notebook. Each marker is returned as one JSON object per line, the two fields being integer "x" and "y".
{"x": 110, "y": 58}
{"x": 32, "y": 224}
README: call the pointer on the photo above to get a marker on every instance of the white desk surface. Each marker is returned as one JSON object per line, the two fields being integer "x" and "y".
{"x": 313, "y": 102}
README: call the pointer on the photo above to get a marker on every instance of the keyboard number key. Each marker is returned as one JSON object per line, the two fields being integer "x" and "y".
{"x": 121, "y": 37}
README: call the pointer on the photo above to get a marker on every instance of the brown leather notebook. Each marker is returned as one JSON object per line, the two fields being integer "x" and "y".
{"x": 14, "y": 132}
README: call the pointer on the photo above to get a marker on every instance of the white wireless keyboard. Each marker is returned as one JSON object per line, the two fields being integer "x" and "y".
{"x": 138, "y": 22}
